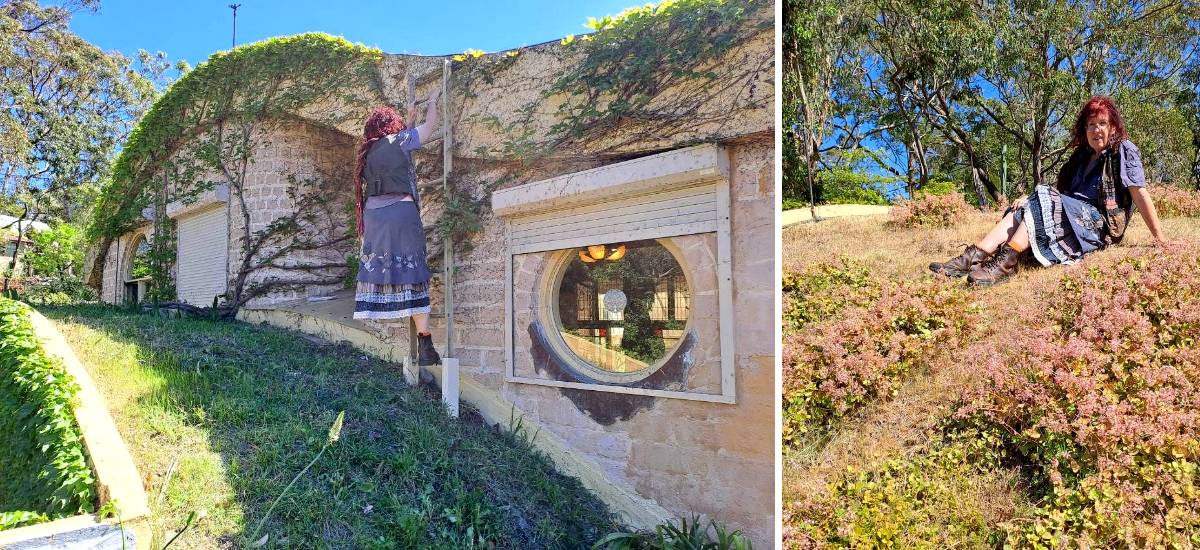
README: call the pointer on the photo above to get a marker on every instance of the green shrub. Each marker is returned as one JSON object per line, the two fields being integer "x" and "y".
{"x": 924, "y": 501}
{"x": 55, "y": 252}
{"x": 823, "y": 290}
{"x": 44, "y": 470}
{"x": 937, "y": 188}
{"x": 930, "y": 211}
{"x": 687, "y": 535}
{"x": 56, "y": 291}
{"x": 792, "y": 204}
{"x": 843, "y": 186}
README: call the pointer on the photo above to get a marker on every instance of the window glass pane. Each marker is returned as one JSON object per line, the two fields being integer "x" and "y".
{"x": 623, "y": 306}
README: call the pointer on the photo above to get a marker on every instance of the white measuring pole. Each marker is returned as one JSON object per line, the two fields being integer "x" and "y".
{"x": 449, "y": 362}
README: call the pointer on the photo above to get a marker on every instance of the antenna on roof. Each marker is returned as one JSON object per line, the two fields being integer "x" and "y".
{"x": 235, "y": 7}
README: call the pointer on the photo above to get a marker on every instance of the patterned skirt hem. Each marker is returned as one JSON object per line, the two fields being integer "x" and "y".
{"x": 1047, "y": 226}
{"x": 387, "y": 301}
{"x": 393, "y": 314}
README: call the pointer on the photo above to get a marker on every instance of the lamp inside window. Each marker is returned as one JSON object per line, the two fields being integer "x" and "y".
{"x": 600, "y": 252}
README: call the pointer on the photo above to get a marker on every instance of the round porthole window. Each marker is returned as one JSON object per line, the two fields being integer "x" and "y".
{"x": 621, "y": 308}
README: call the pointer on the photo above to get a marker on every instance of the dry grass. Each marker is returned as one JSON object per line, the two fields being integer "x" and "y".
{"x": 902, "y": 426}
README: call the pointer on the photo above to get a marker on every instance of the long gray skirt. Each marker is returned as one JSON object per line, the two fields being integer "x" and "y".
{"x": 393, "y": 278}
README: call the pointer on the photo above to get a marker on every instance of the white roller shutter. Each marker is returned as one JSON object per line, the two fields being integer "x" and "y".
{"x": 674, "y": 193}
{"x": 203, "y": 255}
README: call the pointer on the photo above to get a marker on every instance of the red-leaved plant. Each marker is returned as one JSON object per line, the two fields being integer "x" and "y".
{"x": 1099, "y": 396}
{"x": 885, "y": 330}
{"x": 929, "y": 211}
{"x": 1171, "y": 200}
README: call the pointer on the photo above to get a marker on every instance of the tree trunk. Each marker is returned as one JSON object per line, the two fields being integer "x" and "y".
{"x": 12, "y": 264}
{"x": 1196, "y": 164}
{"x": 811, "y": 146}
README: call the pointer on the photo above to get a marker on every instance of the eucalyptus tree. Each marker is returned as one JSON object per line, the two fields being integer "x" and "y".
{"x": 1050, "y": 56}
{"x": 65, "y": 106}
{"x": 957, "y": 89}
{"x": 820, "y": 42}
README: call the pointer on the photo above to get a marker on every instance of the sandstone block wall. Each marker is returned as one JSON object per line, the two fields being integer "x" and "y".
{"x": 319, "y": 161}
{"x": 116, "y": 267}
{"x": 689, "y": 456}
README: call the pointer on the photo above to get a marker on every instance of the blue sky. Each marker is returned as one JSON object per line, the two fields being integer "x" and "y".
{"x": 193, "y": 30}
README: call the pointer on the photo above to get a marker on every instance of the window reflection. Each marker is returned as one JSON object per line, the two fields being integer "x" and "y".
{"x": 624, "y": 312}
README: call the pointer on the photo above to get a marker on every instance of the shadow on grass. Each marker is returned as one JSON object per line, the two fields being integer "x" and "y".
{"x": 403, "y": 474}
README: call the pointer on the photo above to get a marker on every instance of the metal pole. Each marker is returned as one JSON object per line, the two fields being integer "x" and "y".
{"x": 1004, "y": 169}
{"x": 450, "y": 390}
{"x": 235, "y": 8}
{"x": 448, "y": 244}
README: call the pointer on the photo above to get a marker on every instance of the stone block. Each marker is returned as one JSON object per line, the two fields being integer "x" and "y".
{"x": 671, "y": 460}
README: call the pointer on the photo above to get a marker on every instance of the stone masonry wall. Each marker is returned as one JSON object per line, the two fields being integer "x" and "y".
{"x": 117, "y": 265}
{"x": 689, "y": 456}
{"x": 308, "y": 154}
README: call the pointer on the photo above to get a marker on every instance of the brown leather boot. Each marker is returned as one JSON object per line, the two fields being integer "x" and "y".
{"x": 961, "y": 264}
{"x": 426, "y": 353}
{"x": 1002, "y": 265}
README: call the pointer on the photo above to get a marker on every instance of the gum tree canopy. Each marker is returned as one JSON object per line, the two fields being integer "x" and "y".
{"x": 65, "y": 106}
{"x": 981, "y": 93}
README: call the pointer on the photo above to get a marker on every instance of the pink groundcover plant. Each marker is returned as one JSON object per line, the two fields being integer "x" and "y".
{"x": 1172, "y": 200}
{"x": 1099, "y": 397}
{"x": 930, "y": 211}
{"x": 883, "y": 330}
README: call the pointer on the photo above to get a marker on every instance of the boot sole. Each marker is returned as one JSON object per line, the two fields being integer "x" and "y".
{"x": 985, "y": 284}
{"x": 953, "y": 273}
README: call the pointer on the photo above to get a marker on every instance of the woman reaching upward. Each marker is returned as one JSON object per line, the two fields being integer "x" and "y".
{"x": 393, "y": 278}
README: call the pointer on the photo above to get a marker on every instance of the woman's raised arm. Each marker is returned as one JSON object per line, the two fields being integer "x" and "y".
{"x": 431, "y": 115}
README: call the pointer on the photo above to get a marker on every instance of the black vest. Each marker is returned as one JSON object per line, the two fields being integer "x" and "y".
{"x": 389, "y": 169}
{"x": 1114, "y": 201}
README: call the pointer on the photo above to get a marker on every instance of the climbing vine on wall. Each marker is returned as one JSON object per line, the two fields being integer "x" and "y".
{"x": 207, "y": 127}
{"x": 650, "y": 76}
{"x": 656, "y": 64}
{"x": 654, "y": 76}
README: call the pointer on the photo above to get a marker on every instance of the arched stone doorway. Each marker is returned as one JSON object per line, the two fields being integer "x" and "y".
{"x": 136, "y": 275}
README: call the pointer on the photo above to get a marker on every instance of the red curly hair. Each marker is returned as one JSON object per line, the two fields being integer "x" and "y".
{"x": 1096, "y": 105}
{"x": 381, "y": 122}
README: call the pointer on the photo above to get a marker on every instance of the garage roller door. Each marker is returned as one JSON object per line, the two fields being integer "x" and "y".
{"x": 203, "y": 255}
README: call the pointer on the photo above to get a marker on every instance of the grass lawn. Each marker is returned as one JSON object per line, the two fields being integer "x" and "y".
{"x": 902, "y": 427}
{"x": 220, "y": 416}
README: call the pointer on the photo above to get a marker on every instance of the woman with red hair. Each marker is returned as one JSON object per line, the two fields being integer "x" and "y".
{"x": 1088, "y": 208}
{"x": 393, "y": 278}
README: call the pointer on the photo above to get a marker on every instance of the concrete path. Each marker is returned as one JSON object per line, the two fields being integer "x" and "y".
{"x": 801, "y": 215}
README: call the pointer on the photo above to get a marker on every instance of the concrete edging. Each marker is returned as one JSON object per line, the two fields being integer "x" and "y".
{"x": 635, "y": 510}
{"x": 117, "y": 478}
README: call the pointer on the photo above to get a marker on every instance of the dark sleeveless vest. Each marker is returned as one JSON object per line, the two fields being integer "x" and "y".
{"x": 390, "y": 169}
{"x": 1114, "y": 201}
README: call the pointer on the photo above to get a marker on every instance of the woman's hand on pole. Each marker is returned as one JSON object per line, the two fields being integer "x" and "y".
{"x": 431, "y": 115}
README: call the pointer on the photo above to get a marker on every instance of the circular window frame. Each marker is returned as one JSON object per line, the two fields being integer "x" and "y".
{"x": 548, "y": 315}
